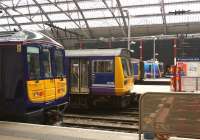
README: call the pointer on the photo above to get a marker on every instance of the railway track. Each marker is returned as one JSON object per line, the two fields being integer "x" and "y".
{"x": 124, "y": 121}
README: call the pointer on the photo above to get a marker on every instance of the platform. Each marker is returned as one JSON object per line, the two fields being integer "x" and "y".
{"x": 20, "y": 131}
{"x": 141, "y": 89}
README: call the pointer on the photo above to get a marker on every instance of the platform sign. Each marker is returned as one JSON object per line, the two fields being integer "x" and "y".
{"x": 172, "y": 114}
{"x": 190, "y": 69}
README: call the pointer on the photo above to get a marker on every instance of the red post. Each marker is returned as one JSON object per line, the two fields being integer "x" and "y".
{"x": 141, "y": 49}
{"x": 179, "y": 78}
{"x": 174, "y": 48}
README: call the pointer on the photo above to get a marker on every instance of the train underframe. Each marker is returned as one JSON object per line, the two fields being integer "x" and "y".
{"x": 46, "y": 115}
{"x": 102, "y": 101}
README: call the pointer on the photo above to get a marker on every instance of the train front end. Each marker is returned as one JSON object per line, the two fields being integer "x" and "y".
{"x": 33, "y": 78}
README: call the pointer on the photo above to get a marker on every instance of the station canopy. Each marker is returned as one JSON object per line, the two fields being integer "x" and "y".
{"x": 70, "y": 14}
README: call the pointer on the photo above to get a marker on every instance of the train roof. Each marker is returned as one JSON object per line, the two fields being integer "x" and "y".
{"x": 97, "y": 52}
{"x": 27, "y": 36}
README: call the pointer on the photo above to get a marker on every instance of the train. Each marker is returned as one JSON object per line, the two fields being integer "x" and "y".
{"x": 39, "y": 78}
{"x": 146, "y": 69}
{"x": 99, "y": 76}
{"x": 33, "y": 81}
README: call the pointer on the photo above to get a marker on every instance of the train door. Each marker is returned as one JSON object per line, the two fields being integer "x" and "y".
{"x": 35, "y": 86}
{"x": 49, "y": 82}
{"x": 60, "y": 80}
{"x": 79, "y": 76}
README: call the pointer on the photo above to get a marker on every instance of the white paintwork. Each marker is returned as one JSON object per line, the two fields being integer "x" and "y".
{"x": 94, "y": 52}
{"x": 141, "y": 89}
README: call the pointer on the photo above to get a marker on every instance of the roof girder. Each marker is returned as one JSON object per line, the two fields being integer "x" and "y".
{"x": 81, "y": 12}
{"x": 123, "y": 31}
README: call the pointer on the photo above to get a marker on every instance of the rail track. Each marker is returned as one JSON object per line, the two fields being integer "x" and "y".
{"x": 114, "y": 120}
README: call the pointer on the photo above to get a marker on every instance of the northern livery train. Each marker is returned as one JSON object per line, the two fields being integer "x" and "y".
{"x": 32, "y": 76}
{"x": 146, "y": 69}
{"x": 99, "y": 76}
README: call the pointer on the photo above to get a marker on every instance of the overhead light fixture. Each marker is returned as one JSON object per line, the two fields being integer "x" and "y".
{"x": 180, "y": 12}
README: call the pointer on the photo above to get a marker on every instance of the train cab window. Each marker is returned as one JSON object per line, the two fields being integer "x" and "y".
{"x": 33, "y": 62}
{"x": 59, "y": 63}
{"x": 47, "y": 63}
{"x": 126, "y": 67}
{"x": 102, "y": 66}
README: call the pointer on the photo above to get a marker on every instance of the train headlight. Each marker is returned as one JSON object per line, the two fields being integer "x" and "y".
{"x": 37, "y": 94}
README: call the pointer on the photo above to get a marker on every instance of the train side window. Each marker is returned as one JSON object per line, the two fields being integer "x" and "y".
{"x": 33, "y": 62}
{"x": 102, "y": 66}
{"x": 46, "y": 61}
{"x": 59, "y": 63}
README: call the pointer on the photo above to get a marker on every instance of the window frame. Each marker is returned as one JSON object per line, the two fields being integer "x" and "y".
{"x": 94, "y": 68}
{"x": 39, "y": 64}
{"x": 129, "y": 73}
{"x": 55, "y": 62}
{"x": 50, "y": 63}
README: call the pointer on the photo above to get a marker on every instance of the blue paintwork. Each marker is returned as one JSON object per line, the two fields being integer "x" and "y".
{"x": 102, "y": 78}
{"x": 149, "y": 70}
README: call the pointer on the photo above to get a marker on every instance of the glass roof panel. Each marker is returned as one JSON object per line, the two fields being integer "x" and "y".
{"x": 6, "y": 21}
{"x": 144, "y": 10}
{"x": 49, "y": 8}
{"x": 138, "y": 2}
{"x": 12, "y": 12}
{"x": 168, "y": 1}
{"x": 67, "y": 6}
{"x": 32, "y": 27}
{"x": 39, "y": 18}
{"x": 190, "y": 6}
{"x": 26, "y": 10}
{"x": 60, "y": 16}
{"x": 22, "y": 2}
{"x": 68, "y": 25}
{"x": 141, "y": 12}
{"x": 146, "y": 21}
{"x": 183, "y": 18}
{"x": 102, "y": 23}
{"x": 91, "y": 4}
{"x": 95, "y": 14}
{"x": 22, "y": 19}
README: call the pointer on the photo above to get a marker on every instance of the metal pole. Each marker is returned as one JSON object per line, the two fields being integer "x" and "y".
{"x": 154, "y": 56}
{"x": 129, "y": 30}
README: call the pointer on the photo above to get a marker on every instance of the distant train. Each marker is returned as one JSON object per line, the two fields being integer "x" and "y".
{"x": 32, "y": 76}
{"x": 146, "y": 69}
{"x": 99, "y": 75}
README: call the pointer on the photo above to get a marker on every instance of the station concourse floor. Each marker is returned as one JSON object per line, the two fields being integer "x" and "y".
{"x": 21, "y": 131}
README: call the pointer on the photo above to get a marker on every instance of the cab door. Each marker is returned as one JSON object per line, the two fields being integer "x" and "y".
{"x": 49, "y": 82}
{"x": 35, "y": 86}
{"x": 60, "y": 77}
